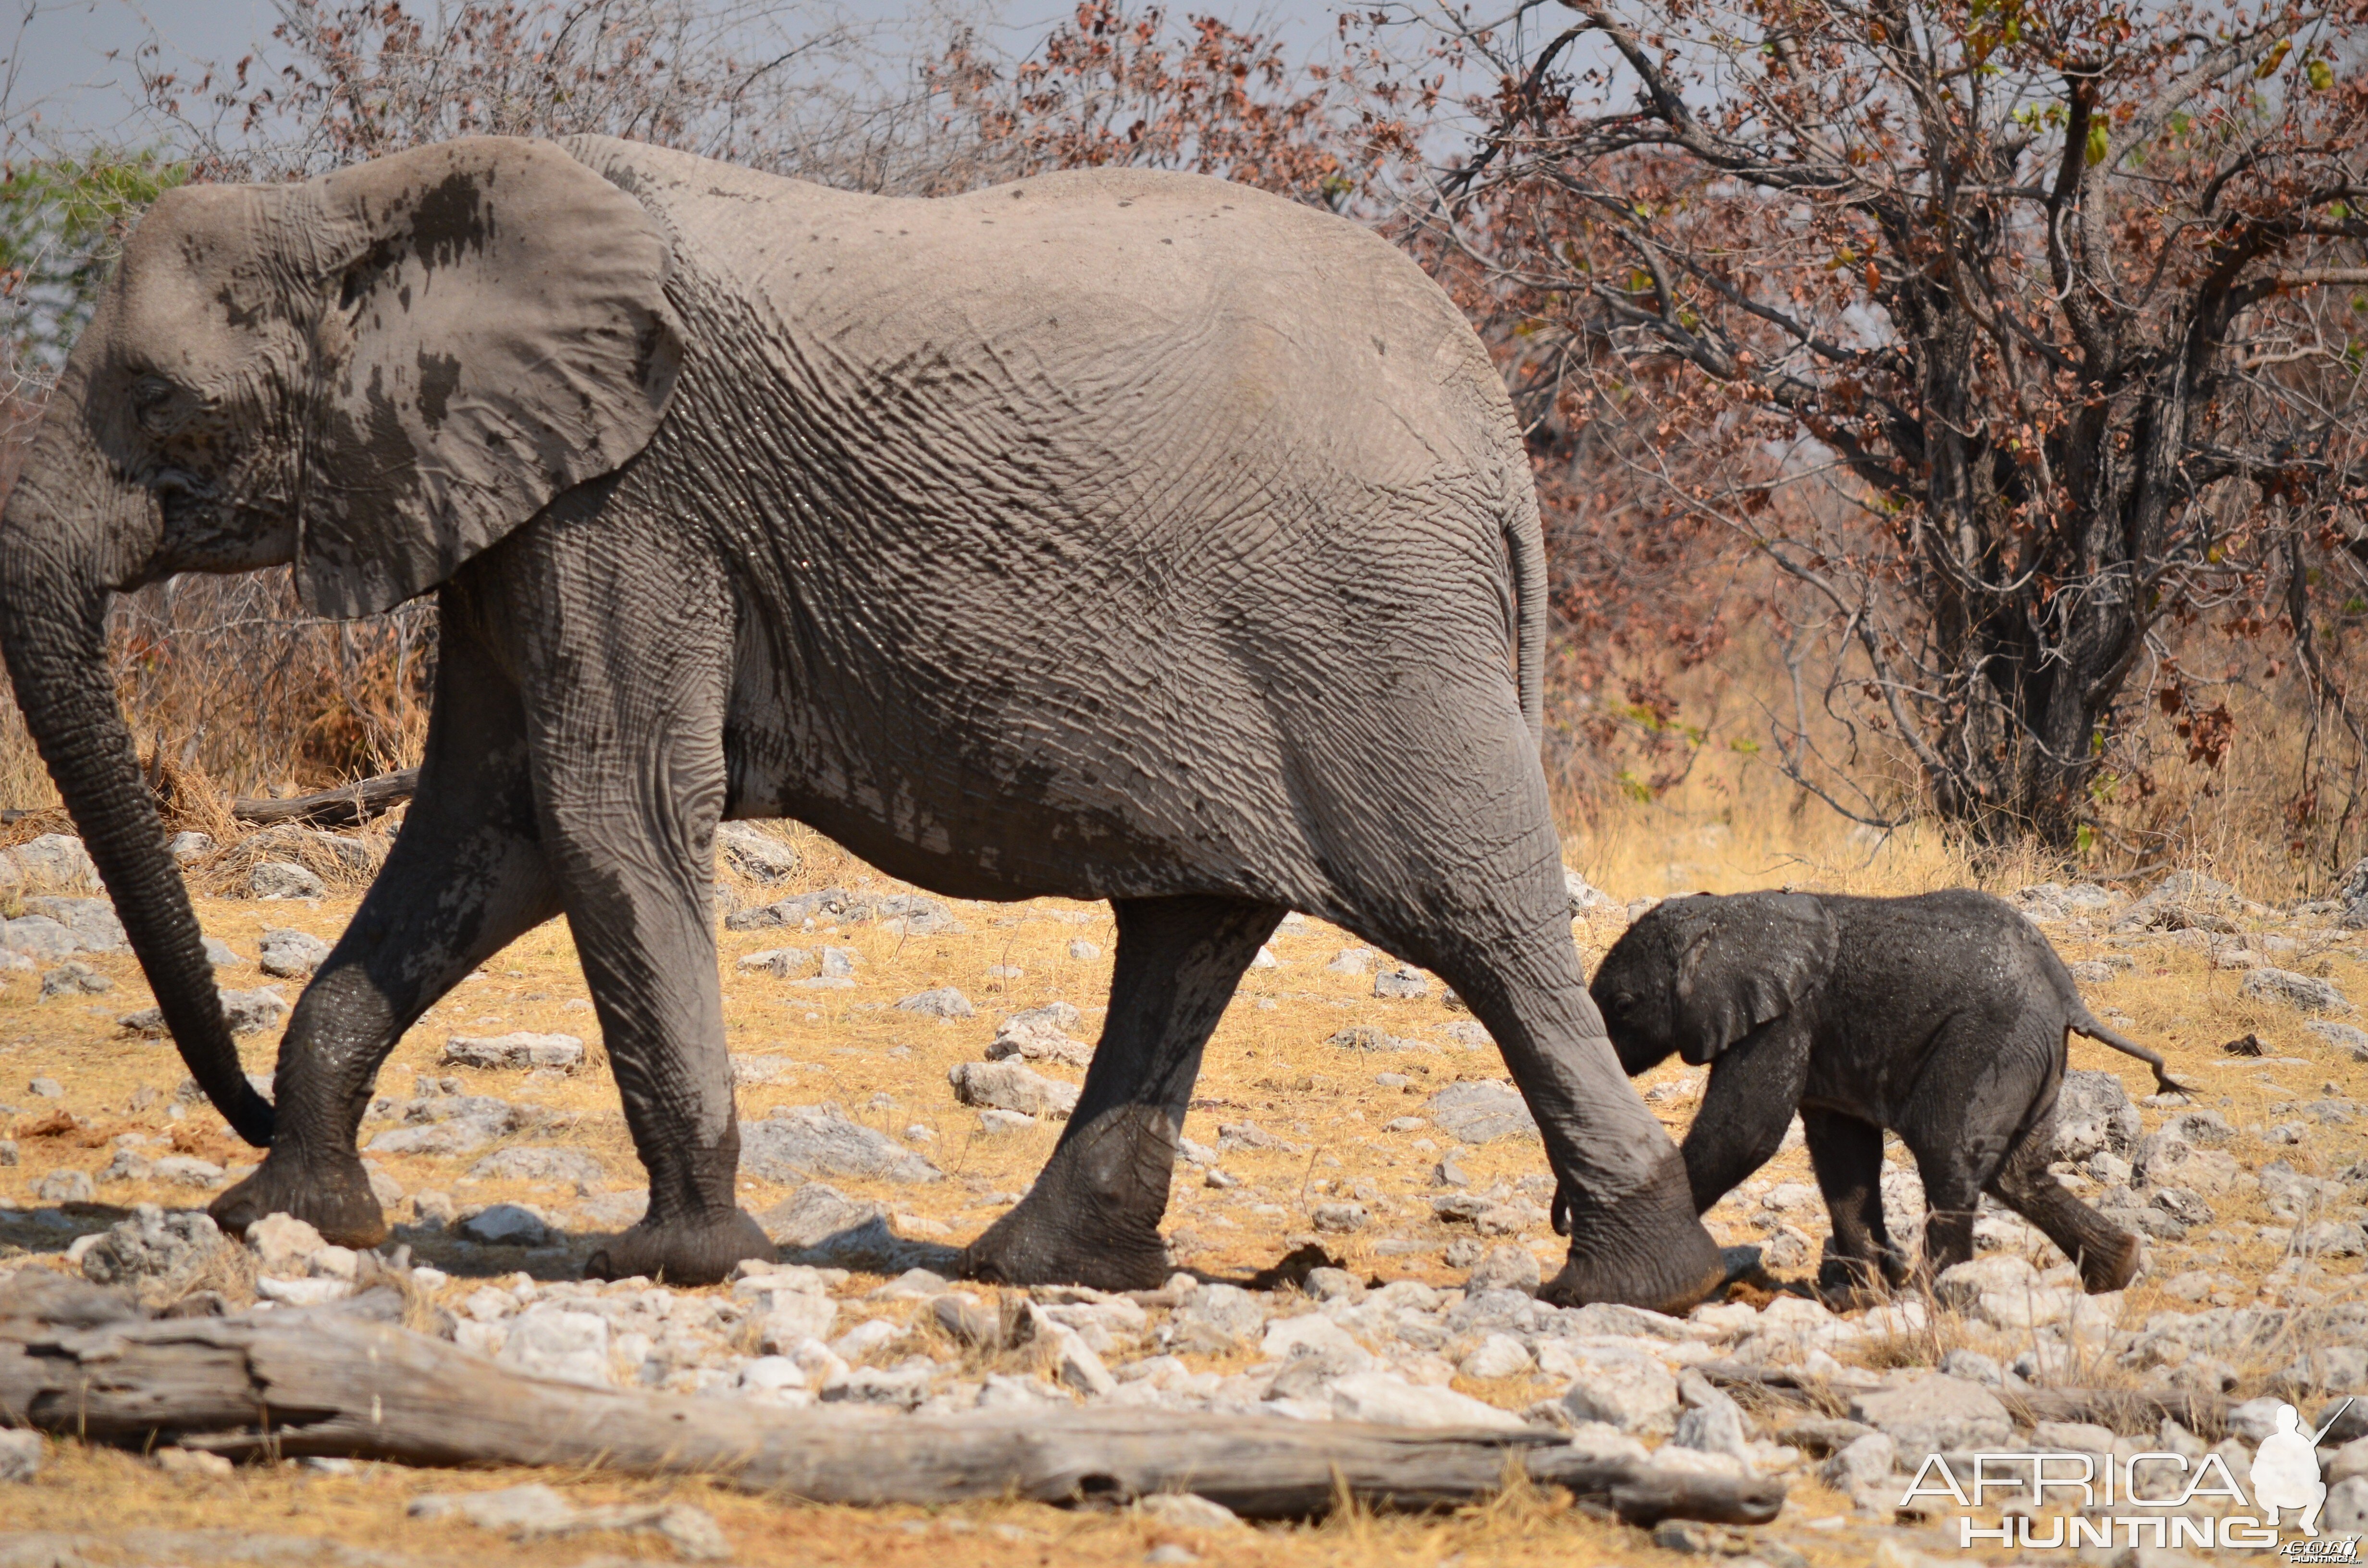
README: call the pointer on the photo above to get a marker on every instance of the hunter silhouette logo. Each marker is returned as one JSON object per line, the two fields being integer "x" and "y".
{"x": 2285, "y": 1469}
{"x": 2153, "y": 1498}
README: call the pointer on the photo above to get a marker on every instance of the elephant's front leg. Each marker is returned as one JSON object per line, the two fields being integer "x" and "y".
{"x": 1092, "y": 1217}
{"x": 626, "y": 686}
{"x": 1746, "y": 1110}
{"x": 465, "y": 878}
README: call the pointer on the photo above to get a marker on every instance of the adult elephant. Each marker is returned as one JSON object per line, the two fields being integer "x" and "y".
{"x": 1108, "y": 535}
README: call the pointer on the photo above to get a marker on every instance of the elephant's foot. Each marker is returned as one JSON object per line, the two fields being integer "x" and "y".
{"x": 1093, "y": 1216}
{"x": 1030, "y": 1245}
{"x": 1850, "y": 1281}
{"x": 332, "y": 1195}
{"x": 698, "y": 1251}
{"x": 1850, "y": 1285}
{"x": 1645, "y": 1249}
{"x": 2111, "y": 1264}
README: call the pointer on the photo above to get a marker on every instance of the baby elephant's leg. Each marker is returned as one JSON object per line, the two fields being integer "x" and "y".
{"x": 1953, "y": 1171}
{"x": 1746, "y": 1110}
{"x": 1847, "y": 1154}
{"x": 2107, "y": 1255}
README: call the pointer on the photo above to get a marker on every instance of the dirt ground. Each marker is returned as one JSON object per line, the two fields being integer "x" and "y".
{"x": 1270, "y": 1061}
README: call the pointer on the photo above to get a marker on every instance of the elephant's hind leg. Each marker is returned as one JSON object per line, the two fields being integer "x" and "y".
{"x": 1092, "y": 1218}
{"x": 1634, "y": 1236}
{"x": 2108, "y": 1255}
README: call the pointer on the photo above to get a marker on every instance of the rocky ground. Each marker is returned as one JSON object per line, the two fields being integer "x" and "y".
{"x": 1358, "y": 1223}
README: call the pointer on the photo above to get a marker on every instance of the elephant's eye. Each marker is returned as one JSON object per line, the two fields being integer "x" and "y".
{"x": 151, "y": 396}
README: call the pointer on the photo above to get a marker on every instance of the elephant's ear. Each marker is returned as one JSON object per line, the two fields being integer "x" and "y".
{"x": 1747, "y": 961}
{"x": 492, "y": 330}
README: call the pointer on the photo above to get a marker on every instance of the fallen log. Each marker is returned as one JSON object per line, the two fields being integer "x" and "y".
{"x": 349, "y": 805}
{"x": 83, "y": 1362}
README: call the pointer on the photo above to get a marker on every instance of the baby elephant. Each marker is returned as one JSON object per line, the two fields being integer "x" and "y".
{"x": 1941, "y": 1018}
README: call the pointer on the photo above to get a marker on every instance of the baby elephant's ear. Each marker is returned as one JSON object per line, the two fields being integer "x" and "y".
{"x": 1749, "y": 961}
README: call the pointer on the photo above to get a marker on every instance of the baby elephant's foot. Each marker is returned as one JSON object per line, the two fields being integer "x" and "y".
{"x": 1846, "y": 1286}
{"x": 697, "y": 1251}
{"x": 334, "y": 1197}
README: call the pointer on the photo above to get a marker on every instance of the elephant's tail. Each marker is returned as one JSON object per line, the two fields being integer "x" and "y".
{"x": 2085, "y": 1022}
{"x": 1525, "y": 539}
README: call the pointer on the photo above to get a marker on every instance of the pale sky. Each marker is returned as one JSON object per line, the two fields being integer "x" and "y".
{"x": 71, "y": 60}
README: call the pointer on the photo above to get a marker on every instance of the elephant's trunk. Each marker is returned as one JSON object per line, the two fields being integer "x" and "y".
{"x": 57, "y": 569}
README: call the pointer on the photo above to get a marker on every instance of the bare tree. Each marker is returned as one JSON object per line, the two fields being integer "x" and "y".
{"x": 2058, "y": 299}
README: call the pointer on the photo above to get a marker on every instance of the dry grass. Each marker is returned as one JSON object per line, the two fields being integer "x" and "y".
{"x": 1268, "y": 1062}
{"x": 85, "y": 1491}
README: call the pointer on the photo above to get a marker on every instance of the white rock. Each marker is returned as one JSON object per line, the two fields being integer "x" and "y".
{"x": 1935, "y": 1414}
{"x": 2305, "y": 993}
{"x": 530, "y": 1510}
{"x": 1585, "y": 896}
{"x": 1188, "y": 1510}
{"x": 778, "y": 962}
{"x": 518, "y": 1051}
{"x": 549, "y": 1341}
{"x": 1003, "y": 1391}
{"x": 1600, "y": 1440}
{"x": 864, "y": 1339}
{"x": 280, "y": 880}
{"x": 1623, "y": 1388}
{"x": 943, "y": 1002}
{"x": 185, "y": 1171}
{"x": 1711, "y": 1423}
{"x": 505, "y": 1224}
{"x": 2072, "y": 1436}
{"x": 1042, "y": 1034}
{"x": 1401, "y": 984}
{"x": 770, "y": 1374}
{"x": 1007, "y": 1085}
{"x": 753, "y": 853}
{"x": 55, "y": 860}
{"x": 302, "y": 1293}
{"x": 1863, "y": 1469}
{"x": 284, "y": 1244}
{"x": 790, "y": 1318}
{"x": 1074, "y": 1365}
{"x": 21, "y": 1454}
{"x": 292, "y": 954}
{"x": 1505, "y": 1266}
{"x": 66, "y": 1186}
{"x": 1309, "y": 1334}
{"x": 1391, "y": 1401}
{"x": 1498, "y": 1356}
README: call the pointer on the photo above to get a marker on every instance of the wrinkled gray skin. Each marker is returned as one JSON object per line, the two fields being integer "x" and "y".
{"x": 1109, "y": 536}
{"x": 1941, "y": 1018}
